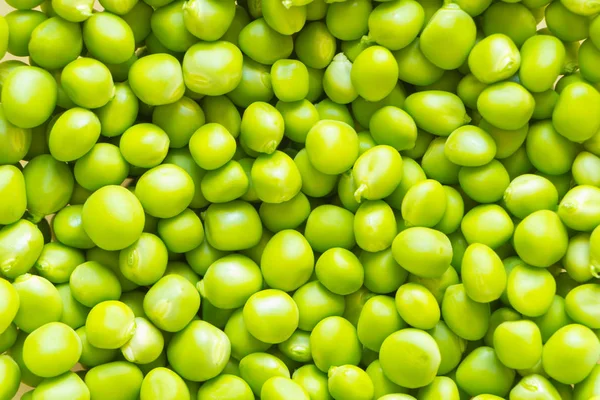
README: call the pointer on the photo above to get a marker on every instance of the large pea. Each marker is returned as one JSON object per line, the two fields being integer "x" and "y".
{"x": 374, "y": 226}
{"x": 530, "y": 290}
{"x": 88, "y": 83}
{"x": 518, "y": 344}
{"x": 571, "y": 354}
{"x": 533, "y": 385}
{"x": 264, "y": 44}
{"x": 483, "y": 273}
{"x": 566, "y": 25}
{"x": 417, "y": 306}
{"x": 289, "y": 247}
{"x": 448, "y": 37}
{"x": 49, "y": 185}
{"x": 378, "y": 311}
{"x": 374, "y": 73}
{"x": 13, "y": 193}
{"x": 55, "y": 43}
{"x": 314, "y": 182}
{"x": 573, "y": 117}
{"x": 29, "y": 96}
{"x": 577, "y": 258}
{"x": 578, "y": 209}
{"x": 232, "y": 226}
{"x": 514, "y": 20}
{"x": 542, "y": 58}
{"x": 15, "y": 142}
{"x": 494, "y": 59}
{"x": 108, "y": 38}
{"x": 424, "y": 204}
{"x": 529, "y": 193}
{"x": 73, "y": 134}
{"x": 558, "y": 152}
{"x": 275, "y": 177}
{"x": 395, "y": 24}
{"x": 437, "y": 112}
{"x": 586, "y": 169}
{"x": 414, "y": 67}
{"x": 494, "y": 105}
{"x": 422, "y": 251}
{"x": 286, "y": 21}
{"x": 465, "y": 317}
{"x": 487, "y": 224}
{"x": 338, "y": 15}
{"x": 377, "y": 173}
{"x": 541, "y": 239}
{"x": 581, "y": 305}
{"x": 470, "y": 146}
{"x": 208, "y": 20}
{"x": 484, "y": 184}
{"x": 481, "y": 372}
{"x": 210, "y": 77}
{"x": 332, "y": 137}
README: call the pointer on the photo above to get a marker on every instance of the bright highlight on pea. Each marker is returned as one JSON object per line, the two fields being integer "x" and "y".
{"x": 300, "y": 200}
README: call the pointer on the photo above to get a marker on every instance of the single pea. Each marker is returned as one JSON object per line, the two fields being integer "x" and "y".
{"x": 424, "y": 204}
{"x": 578, "y": 210}
{"x": 242, "y": 342}
{"x": 378, "y": 311}
{"x": 465, "y": 317}
{"x": 430, "y": 258}
{"x": 257, "y": 368}
{"x": 144, "y": 262}
{"x": 88, "y": 83}
{"x": 10, "y": 307}
{"x": 334, "y": 342}
{"x": 21, "y": 24}
{"x": 271, "y": 315}
{"x": 226, "y": 387}
{"x": 470, "y": 146}
{"x": 484, "y": 184}
{"x": 12, "y": 190}
{"x": 417, "y": 306}
{"x": 315, "y": 303}
{"x": 394, "y": 127}
{"x": 586, "y": 389}
{"x": 469, "y": 89}
{"x": 275, "y": 177}
{"x": 164, "y": 201}
{"x": 329, "y": 226}
{"x": 68, "y": 228}
{"x": 580, "y": 305}
{"x": 315, "y": 46}
{"x": 110, "y": 324}
{"x": 518, "y": 344}
{"x": 414, "y": 67}
{"x": 536, "y": 232}
{"x": 448, "y": 37}
{"x": 119, "y": 113}
{"x": 338, "y": 15}
{"x": 350, "y": 381}
{"x": 226, "y": 183}
{"x": 262, "y": 127}
{"x": 181, "y": 233}
{"x": 337, "y": 81}
{"x": 55, "y": 43}
{"x": 340, "y": 271}
{"x": 542, "y": 58}
{"x": 39, "y": 303}
{"x": 329, "y": 110}
{"x": 585, "y": 169}
{"x": 263, "y": 44}
{"x": 68, "y": 384}
{"x": 28, "y": 97}
{"x": 92, "y": 283}
{"x": 483, "y": 273}
{"x": 287, "y": 215}
{"x": 163, "y": 383}
{"x": 74, "y": 313}
{"x": 530, "y": 290}
{"x": 533, "y": 385}
{"x": 571, "y": 353}
{"x": 332, "y": 137}
{"x": 232, "y": 226}
{"x": 543, "y": 134}
{"x": 494, "y": 59}
{"x": 481, "y": 372}
{"x": 179, "y": 120}
{"x": 448, "y": 109}
{"x": 168, "y": 24}
{"x": 297, "y": 347}
{"x": 255, "y": 85}
{"x": 57, "y": 261}
{"x": 51, "y": 350}
{"x": 299, "y": 117}
{"x": 312, "y": 380}
{"x": 78, "y": 127}
{"x": 450, "y": 345}
{"x": 290, "y": 80}
{"x": 487, "y": 224}
{"x": 506, "y": 115}
{"x": 171, "y": 303}
{"x": 577, "y": 258}
{"x": 579, "y": 97}
{"x": 511, "y": 19}
{"x": 103, "y": 157}
{"x": 376, "y": 173}
{"x": 395, "y": 24}
{"x": 529, "y": 193}
{"x": 383, "y": 387}
{"x": 374, "y": 226}
{"x": 401, "y": 349}
{"x": 157, "y": 79}
{"x": 374, "y": 73}
{"x": 566, "y": 25}
{"x": 284, "y": 19}
{"x": 199, "y": 15}
{"x": 118, "y": 380}
{"x": 209, "y": 77}
{"x": 291, "y": 248}
{"x": 108, "y": 38}
{"x": 8, "y": 338}
{"x": 412, "y": 173}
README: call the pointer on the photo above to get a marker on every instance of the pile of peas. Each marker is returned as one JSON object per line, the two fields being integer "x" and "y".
{"x": 300, "y": 200}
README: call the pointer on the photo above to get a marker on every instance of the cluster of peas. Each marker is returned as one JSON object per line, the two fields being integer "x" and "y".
{"x": 300, "y": 200}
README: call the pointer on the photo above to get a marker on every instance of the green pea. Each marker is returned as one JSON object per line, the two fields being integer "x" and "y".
{"x": 542, "y": 60}
{"x": 208, "y": 20}
{"x": 9, "y": 308}
{"x": 562, "y": 150}
{"x": 577, "y": 258}
{"x": 529, "y": 193}
{"x": 452, "y": 30}
{"x": 144, "y": 262}
{"x": 160, "y": 200}
{"x": 579, "y": 97}
{"x": 21, "y": 24}
{"x": 424, "y": 204}
{"x": 417, "y": 306}
{"x": 338, "y": 15}
{"x": 262, "y": 127}
{"x": 88, "y": 83}
{"x": 518, "y": 344}
{"x": 482, "y": 372}
{"x": 584, "y": 169}
{"x": 412, "y": 173}
{"x": 507, "y": 142}
{"x": 226, "y": 387}
{"x": 566, "y": 25}
{"x": 57, "y": 261}
{"x": 592, "y": 144}
{"x": 580, "y": 305}
{"x": 586, "y": 389}
{"x": 340, "y": 271}
{"x": 39, "y": 302}
{"x": 374, "y": 226}
{"x": 78, "y": 127}
{"x": 275, "y": 177}
{"x": 497, "y": 111}
{"x": 530, "y": 290}
{"x": 328, "y": 110}
{"x": 92, "y": 283}
{"x": 55, "y": 43}
{"x": 487, "y": 224}
{"x": 118, "y": 7}
{"x": 171, "y": 303}
{"x": 271, "y": 316}
{"x": 484, "y": 184}
{"x": 51, "y": 350}
{"x": 441, "y": 386}
{"x": 414, "y": 67}
{"x": 263, "y": 44}
{"x": 105, "y": 157}
{"x": 577, "y": 209}
{"x": 257, "y": 368}
{"x": 470, "y": 146}
{"x": 118, "y": 380}
{"x": 332, "y": 137}
{"x": 395, "y": 24}
{"x": 157, "y": 79}
{"x": 430, "y": 258}
{"x": 180, "y": 120}
{"x": 225, "y": 223}
{"x": 401, "y": 349}
{"x": 555, "y": 318}
{"x": 315, "y": 45}
{"x": 119, "y": 113}
{"x": 494, "y": 59}
{"x": 483, "y": 273}
{"x": 226, "y": 183}
{"x": 534, "y": 385}
{"x": 334, "y": 342}
{"x": 68, "y": 228}
{"x": 299, "y": 117}
{"x": 284, "y": 20}
{"x": 378, "y": 311}
{"x": 465, "y": 317}
{"x": 291, "y": 248}
{"x": 450, "y": 345}
{"x": 297, "y": 347}
{"x": 571, "y": 353}
{"x": 120, "y": 71}
{"x": 337, "y": 82}
{"x": 221, "y": 110}
{"x": 108, "y": 38}
{"x": 454, "y": 212}
{"x": 315, "y": 303}
{"x": 162, "y": 383}
{"x": 448, "y": 109}
{"x": 394, "y": 127}
{"x": 511, "y": 19}
{"x": 169, "y": 26}
{"x": 255, "y": 85}
{"x": 28, "y": 97}
{"x": 287, "y": 215}
{"x": 68, "y": 384}
{"x": 350, "y": 381}
{"x": 12, "y": 190}
{"x": 375, "y": 173}
{"x": 312, "y": 380}
{"x": 374, "y": 73}
{"x": 182, "y": 158}
{"x": 290, "y": 80}
{"x": 535, "y": 233}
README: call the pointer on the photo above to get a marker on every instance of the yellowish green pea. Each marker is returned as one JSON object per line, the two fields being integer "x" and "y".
{"x": 494, "y": 59}
{"x": 465, "y": 317}
{"x": 417, "y": 306}
{"x": 376, "y": 173}
{"x": 413, "y": 249}
{"x": 526, "y": 283}
{"x": 424, "y": 204}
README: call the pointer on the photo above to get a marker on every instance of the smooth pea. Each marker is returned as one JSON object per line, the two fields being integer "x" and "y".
{"x": 51, "y": 350}
{"x": 571, "y": 353}
{"x": 315, "y": 303}
{"x": 414, "y": 67}
{"x": 544, "y": 135}
{"x": 441, "y": 386}
{"x": 448, "y": 109}
{"x": 12, "y": 190}
{"x": 68, "y": 384}
{"x": 287, "y": 215}
{"x": 57, "y": 261}
{"x": 289, "y": 247}
{"x": 199, "y": 15}
{"x": 518, "y": 344}
{"x": 226, "y": 387}
{"x": 484, "y": 184}
{"x": 511, "y": 19}
{"x": 394, "y": 127}
{"x": 584, "y": 169}
{"x": 378, "y": 311}
{"x": 494, "y": 59}
{"x": 424, "y": 204}
{"x": 349, "y": 380}
{"x": 465, "y": 317}
{"x": 340, "y": 271}
{"x": 297, "y": 347}
{"x": 334, "y": 342}
{"x": 103, "y": 157}
{"x": 179, "y": 296}
{"x": 276, "y": 307}
{"x": 108, "y": 38}
{"x": 534, "y": 234}
{"x": 483, "y": 273}
{"x": 329, "y": 226}
{"x": 88, "y": 83}
{"x": 154, "y": 88}
{"x": 376, "y": 173}
{"x": 179, "y": 120}
{"x": 542, "y": 58}
{"x": 337, "y": 82}
{"x": 470, "y": 146}
{"x": 169, "y": 27}
{"x": 374, "y": 226}
{"x": 257, "y": 368}
{"x": 395, "y": 24}
{"x": 566, "y": 25}
{"x": 534, "y": 385}
{"x": 144, "y": 262}
{"x": 577, "y": 258}
{"x": 263, "y": 44}
{"x": 20, "y": 24}
{"x": 78, "y": 127}
{"x": 68, "y": 228}
{"x": 315, "y": 46}
{"x": 481, "y": 372}
{"x": 530, "y": 290}
{"x": 577, "y": 209}
{"x": 374, "y": 73}
{"x": 413, "y": 250}
{"x": 580, "y": 97}
{"x": 487, "y": 224}
{"x": 494, "y": 107}
{"x": 530, "y": 193}
{"x": 55, "y": 43}
{"x": 448, "y": 37}
{"x": 275, "y": 177}
{"x": 290, "y": 80}
{"x": 580, "y": 305}
{"x": 417, "y": 306}
{"x": 118, "y": 380}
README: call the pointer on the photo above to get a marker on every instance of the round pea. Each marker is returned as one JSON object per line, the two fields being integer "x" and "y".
{"x": 578, "y": 97}
{"x": 118, "y": 379}
{"x": 55, "y": 43}
{"x": 271, "y": 316}
{"x": 334, "y": 342}
{"x": 257, "y": 368}
{"x": 350, "y": 381}
{"x": 580, "y": 305}
{"x": 108, "y": 38}
{"x": 204, "y": 75}
{"x": 110, "y": 324}
{"x": 51, "y": 350}
{"x": 417, "y": 306}
{"x": 437, "y": 112}
{"x": 340, "y": 271}
{"x": 394, "y": 24}
{"x": 12, "y": 190}
{"x": 232, "y": 226}
{"x": 483, "y": 273}
{"x": 263, "y": 44}
{"x": 377, "y": 173}
{"x": 315, "y": 303}
{"x": 488, "y": 224}
{"x": 329, "y": 226}
{"x": 226, "y": 387}
{"x": 378, "y": 311}
{"x": 494, "y": 59}
{"x": 68, "y": 384}
{"x": 422, "y": 251}
{"x": 157, "y": 79}
{"x": 544, "y": 135}
{"x": 171, "y": 303}
{"x": 470, "y": 146}
{"x": 530, "y": 290}
{"x": 465, "y": 317}
{"x": 290, "y": 80}
{"x": 88, "y": 83}
{"x": 424, "y": 204}
{"x": 481, "y": 372}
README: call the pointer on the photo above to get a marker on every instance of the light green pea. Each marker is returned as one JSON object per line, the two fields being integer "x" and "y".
{"x": 417, "y": 306}
{"x": 487, "y": 224}
{"x": 377, "y": 173}
{"x": 483, "y": 273}
{"x": 577, "y": 258}
{"x": 275, "y": 177}
{"x": 578, "y": 209}
{"x": 422, "y": 251}
{"x": 378, "y": 311}
{"x": 13, "y": 193}
{"x": 529, "y": 193}
{"x": 424, "y": 204}
{"x": 334, "y": 342}
{"x": 581, "y": 305}
{"x": 374, "y": 226}
{"x": 470, "y": 146}
{"x": 481, "y": 372}
{"x": 580, "y": 98}
{"x": 448, "y": 109}
{"x": 225, "y": 184}
{"x": 541, "y": 238}
{"x": 171, "y": 303}
{"x": 585, "y": 169}
{"x": 465, "y": 317}
{"x": 484, "y": 184}
{"x": 441, "y": 387}
{"x": 494, "y": 59}
{"x": 534, "y": 385}
{"x": 157, "y": 89}
{"x": 414, "y": 67}
{"x": 395, "y": 24}
{"x": 543, "y": 135}
{"x": 208, "y": 20}
{"x": 374, "y": 73}
{"x": 286, "y": 21}
{"x": 530, "y": 290}
{"x": 337, "y": 82}
{"x": 257, "y": 368}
